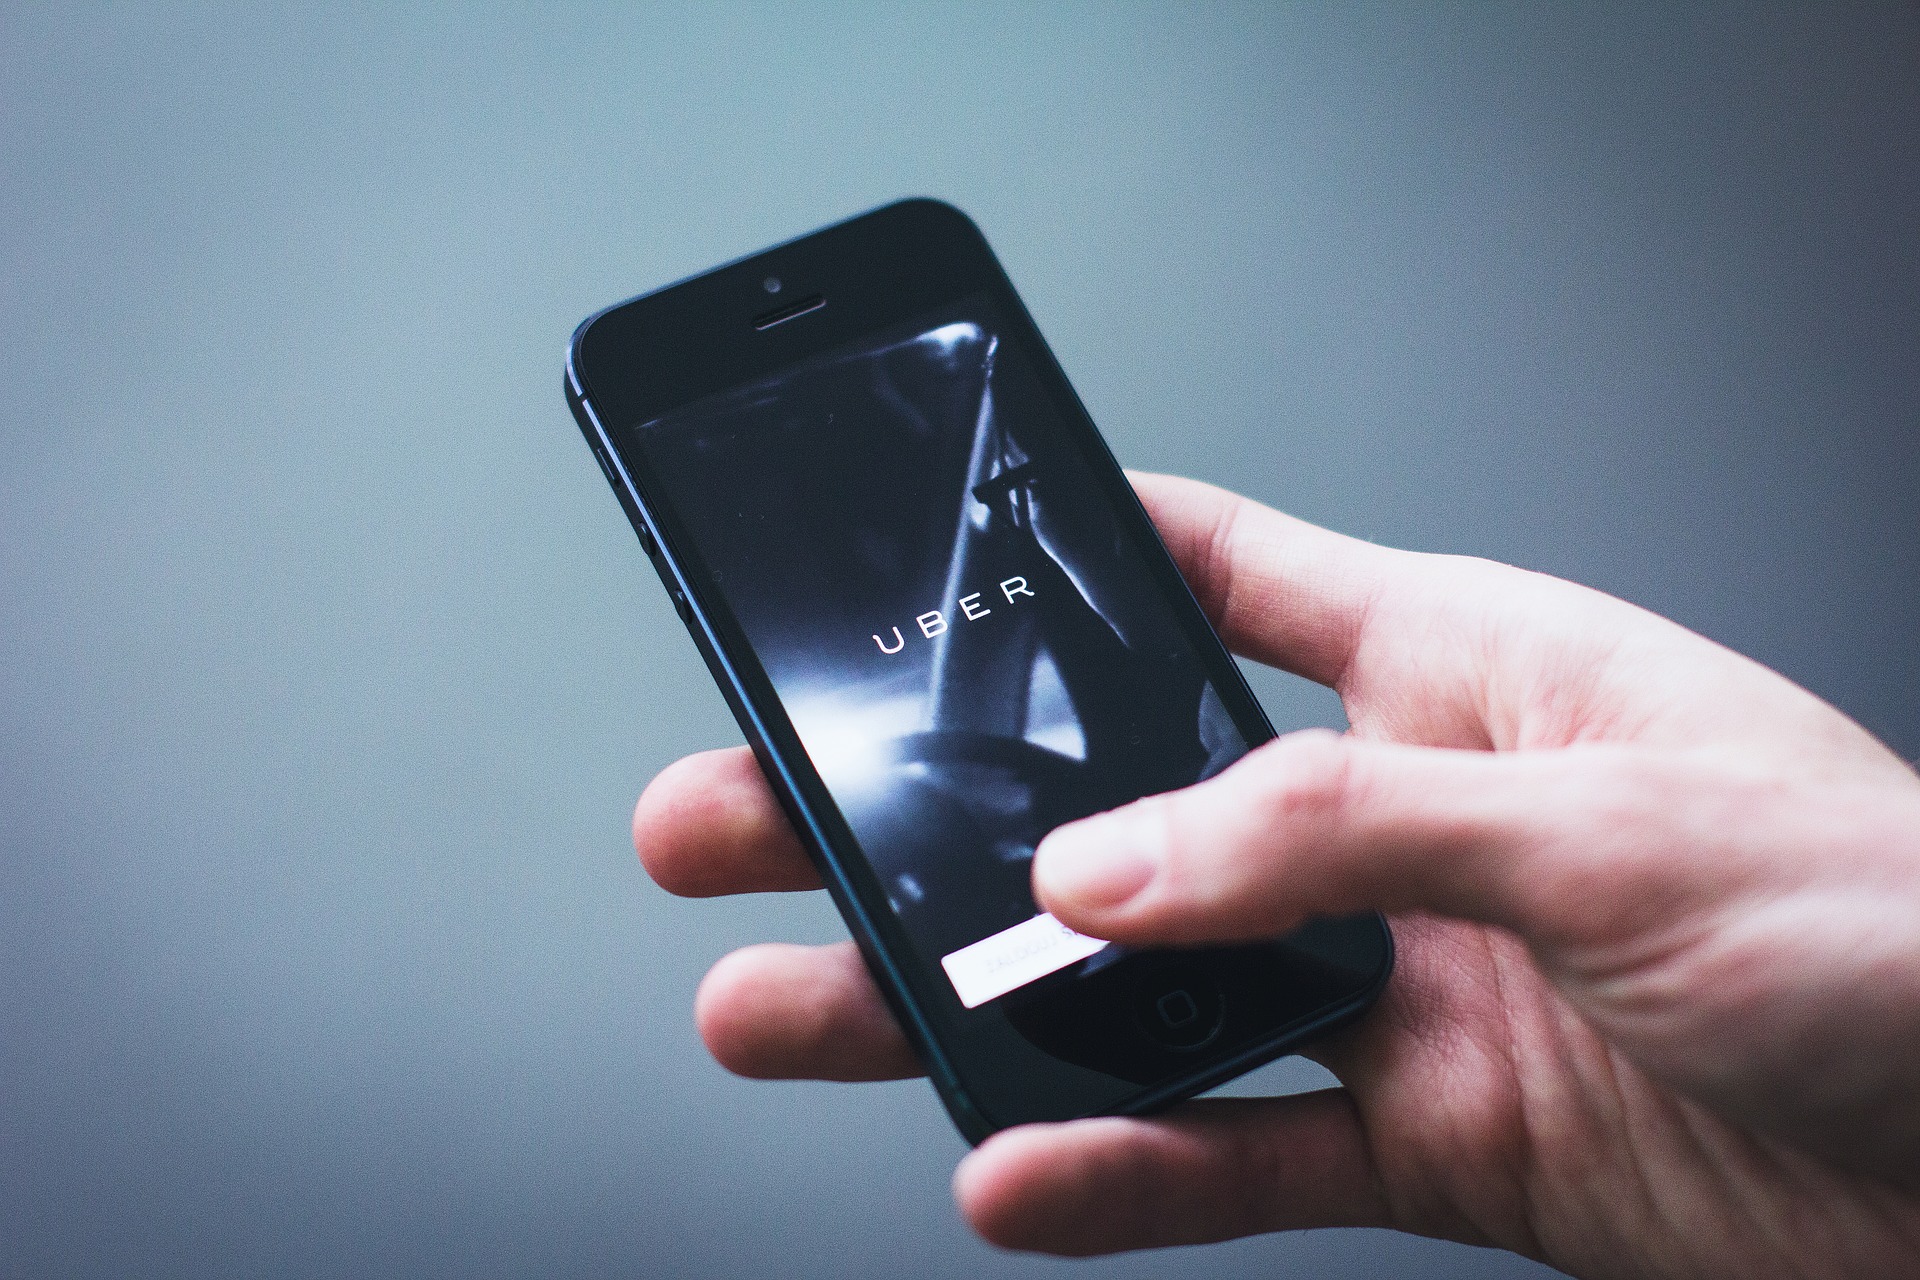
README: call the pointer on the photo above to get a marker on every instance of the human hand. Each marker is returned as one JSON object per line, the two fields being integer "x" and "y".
{"x": 1658, "y": 910}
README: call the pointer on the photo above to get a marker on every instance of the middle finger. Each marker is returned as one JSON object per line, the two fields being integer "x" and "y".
{"x": 782, "y": 1012}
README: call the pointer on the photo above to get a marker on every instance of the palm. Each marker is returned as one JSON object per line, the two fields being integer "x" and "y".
{"x": 1494, "y": 1110}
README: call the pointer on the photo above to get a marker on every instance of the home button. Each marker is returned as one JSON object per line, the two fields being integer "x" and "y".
{"x": 1181, "y": 1010}
{"x": 1176, "y": 1008}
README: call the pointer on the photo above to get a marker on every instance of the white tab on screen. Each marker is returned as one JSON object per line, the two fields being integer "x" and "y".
{"x": 1014, "y": 957}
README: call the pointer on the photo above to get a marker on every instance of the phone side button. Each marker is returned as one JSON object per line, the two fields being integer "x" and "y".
{"x": 620, "y": 491}
{"x": 681, "y": 606}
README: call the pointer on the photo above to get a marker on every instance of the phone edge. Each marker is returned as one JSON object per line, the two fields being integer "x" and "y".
{"x": 966, "y": 1115}
{"x": 972, "y": 1122}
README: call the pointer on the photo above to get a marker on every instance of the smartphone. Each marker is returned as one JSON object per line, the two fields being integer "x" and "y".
{"x": 946, "y": 626}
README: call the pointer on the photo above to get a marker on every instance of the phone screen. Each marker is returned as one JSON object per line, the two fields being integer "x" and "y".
{"x": 969, "y": 644}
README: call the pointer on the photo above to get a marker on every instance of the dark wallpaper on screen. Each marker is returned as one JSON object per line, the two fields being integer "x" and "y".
{"x": 967, "y": 644}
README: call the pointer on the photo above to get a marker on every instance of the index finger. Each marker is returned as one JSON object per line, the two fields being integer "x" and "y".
{"x": 1279, "y": 590}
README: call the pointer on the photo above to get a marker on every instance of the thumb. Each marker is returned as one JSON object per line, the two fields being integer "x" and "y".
{"x": 1558, "y": 846}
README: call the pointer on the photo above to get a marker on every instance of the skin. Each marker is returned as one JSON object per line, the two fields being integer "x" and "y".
{"x": 1657, "y": 1009}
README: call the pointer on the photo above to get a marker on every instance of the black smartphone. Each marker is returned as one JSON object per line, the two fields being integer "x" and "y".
{"x": 946, "y": 626}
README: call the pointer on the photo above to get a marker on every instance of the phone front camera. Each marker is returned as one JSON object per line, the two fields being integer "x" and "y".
{"x": 771, "y": 284}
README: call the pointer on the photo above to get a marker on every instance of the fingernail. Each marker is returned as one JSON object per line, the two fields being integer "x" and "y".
{"x": 1096, "y": 863}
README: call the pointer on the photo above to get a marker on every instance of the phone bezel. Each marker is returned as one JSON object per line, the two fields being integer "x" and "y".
{"x": 641, "y": 359}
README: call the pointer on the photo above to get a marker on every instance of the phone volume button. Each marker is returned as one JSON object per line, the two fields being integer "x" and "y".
{"x": 682, "y": 607}
{"x": 620, "y": 491}
{"x": 606, "y": 468}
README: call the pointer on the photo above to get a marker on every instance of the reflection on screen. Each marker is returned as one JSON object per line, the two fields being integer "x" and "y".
{"x": 967, "y": 643}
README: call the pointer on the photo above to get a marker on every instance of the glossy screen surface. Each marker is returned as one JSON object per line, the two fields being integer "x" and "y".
{"x": 970, "y": 645}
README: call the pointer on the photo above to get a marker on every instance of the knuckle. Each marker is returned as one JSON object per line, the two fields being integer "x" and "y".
{"x": 1186, "y": 883}
{"x": 1163, "y": 820}
{"x": 1224, "y": 843}
{"x": 1310, "y": 781}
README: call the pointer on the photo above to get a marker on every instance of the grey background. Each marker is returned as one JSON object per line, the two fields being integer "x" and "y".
{"x": 329, "y": 669}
